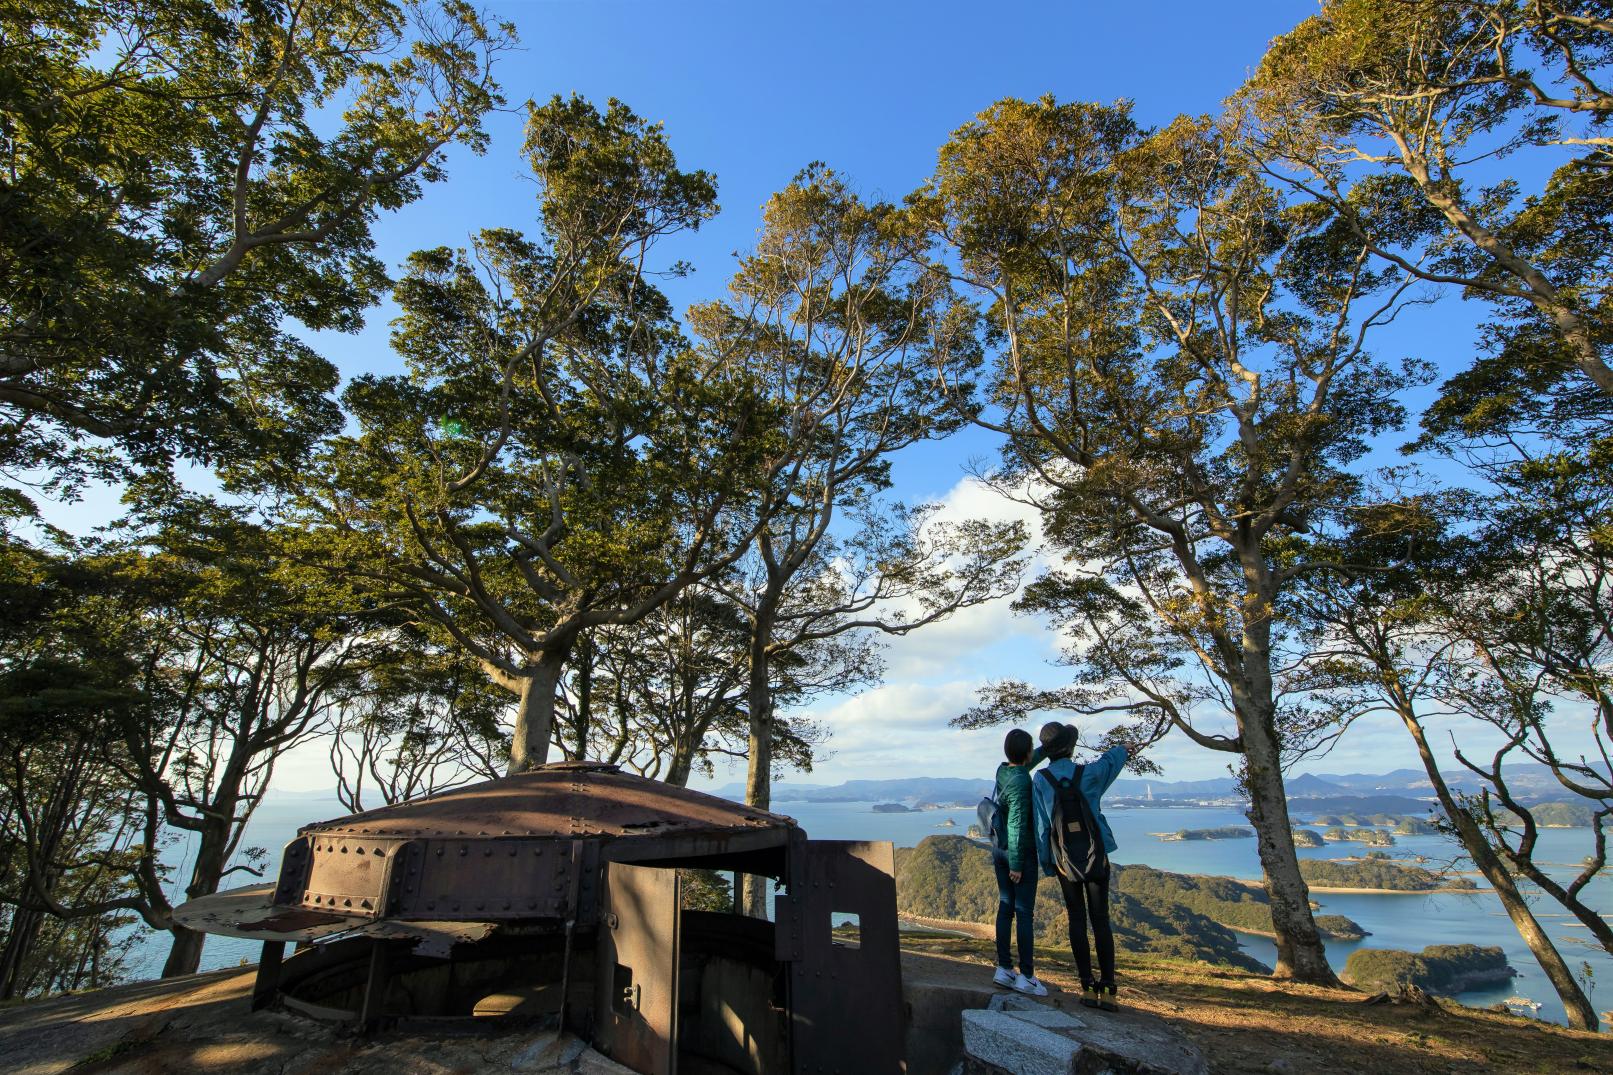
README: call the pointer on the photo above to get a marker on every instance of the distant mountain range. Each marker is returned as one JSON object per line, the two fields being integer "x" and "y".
{"x": 930, "y": 789}
{"x": 1533, "y": 781}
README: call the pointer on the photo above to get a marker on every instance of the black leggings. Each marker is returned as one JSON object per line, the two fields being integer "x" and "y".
{"x": 1083, "y": 899}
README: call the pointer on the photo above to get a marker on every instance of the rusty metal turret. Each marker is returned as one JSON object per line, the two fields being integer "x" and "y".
{"x": 553, "y": 896}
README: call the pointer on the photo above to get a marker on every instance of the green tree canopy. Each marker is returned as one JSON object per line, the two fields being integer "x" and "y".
{"x": 1181, "y": 378}
{"x": 556, "y": 458}
{"x": 183, "y": 183}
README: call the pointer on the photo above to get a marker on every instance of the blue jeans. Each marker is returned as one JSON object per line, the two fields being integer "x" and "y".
{"x": 1016, "y": 906}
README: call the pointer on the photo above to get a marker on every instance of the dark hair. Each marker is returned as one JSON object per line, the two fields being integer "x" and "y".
{"x": 1058, "y": 740}
{"x": 1017, "y": 745}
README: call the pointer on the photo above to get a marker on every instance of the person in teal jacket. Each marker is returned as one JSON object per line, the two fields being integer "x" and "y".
{"x": 1016, "y": 866}
{"x": 1083, "y": 900}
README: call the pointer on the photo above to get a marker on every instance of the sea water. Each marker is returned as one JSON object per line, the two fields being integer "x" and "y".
{"x": 1408, "y": 921}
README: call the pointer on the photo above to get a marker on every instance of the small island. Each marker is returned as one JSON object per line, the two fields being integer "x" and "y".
{"x": 1560, "y": 815}
{"x": 1338, "y": 927}
{"x": 1306, "y": 838}
{"x": 1225, "y": 832}
{"x": 946, "y": 823}
{"x": 892, "y": 808}
{"x": 1376, "y": 874}
{"x": 1370, "y": 837}
{"x": 1440, "y": 968}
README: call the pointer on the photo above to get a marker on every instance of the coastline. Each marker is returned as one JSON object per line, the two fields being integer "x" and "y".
{"x": 1400, "y": 891}
{"x": 1348, "y": 891}
{"x": 978, "y": 930}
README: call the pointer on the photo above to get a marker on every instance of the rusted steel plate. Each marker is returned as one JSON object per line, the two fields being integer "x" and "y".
{"x": 350, "y": 875}
{"x": 695, "y": 847}
{"x": 484, "y": 879}
{"x": 568, "y": 801}
{"x": 434, "y": 939}
{"x": 845, "y": 988}
{"x": 636, "y": 1003}
{"x": 251, "y": 913}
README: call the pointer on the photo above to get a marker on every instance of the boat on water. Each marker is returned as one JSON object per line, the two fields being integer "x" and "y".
{"x": 1521, "y": 1005}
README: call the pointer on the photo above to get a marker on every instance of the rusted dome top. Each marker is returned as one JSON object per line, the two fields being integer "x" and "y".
{"x": 566, "y": 800}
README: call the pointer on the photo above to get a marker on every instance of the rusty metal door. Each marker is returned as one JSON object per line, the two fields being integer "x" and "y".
{"x": 846, "y": 1006}
{"x": 636, "y": 1005}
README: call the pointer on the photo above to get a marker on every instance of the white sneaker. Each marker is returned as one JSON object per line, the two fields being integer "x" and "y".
{"x": 1030, "y": 986}
{"x": 1004, "y": 976}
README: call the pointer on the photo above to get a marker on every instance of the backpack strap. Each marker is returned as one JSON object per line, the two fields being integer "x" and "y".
{"x": 1074, "y": 780}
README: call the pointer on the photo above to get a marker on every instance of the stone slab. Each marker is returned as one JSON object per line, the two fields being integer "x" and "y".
{"x": 1016, "y": 1034}
{"x": 1008, "y": 1043}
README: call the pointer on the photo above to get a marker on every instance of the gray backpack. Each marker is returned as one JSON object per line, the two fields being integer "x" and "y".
{"x": 993, "y": 817}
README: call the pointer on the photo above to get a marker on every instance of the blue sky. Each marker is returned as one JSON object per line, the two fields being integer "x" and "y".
{"x": 752, "y": 92}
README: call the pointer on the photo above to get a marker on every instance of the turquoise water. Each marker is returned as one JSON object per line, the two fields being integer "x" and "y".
{"x": 1409, "y": 921}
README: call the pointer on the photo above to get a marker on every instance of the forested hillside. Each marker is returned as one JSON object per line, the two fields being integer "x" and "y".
{"x": 950, "y": 877}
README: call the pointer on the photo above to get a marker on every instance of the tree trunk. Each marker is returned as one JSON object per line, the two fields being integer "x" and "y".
{"x": 585, "y": 696}
{"x": 51, "y": 831}
{"x": 759, "y": 776}
{"x": 25, "y": 924}
{"x": 1300, "y": 954}
{"x": 682, "y": 763}
{"x": 1581, "y": 1016}
{"x": 534, "y": 716}
{"x": 185, "y": 953}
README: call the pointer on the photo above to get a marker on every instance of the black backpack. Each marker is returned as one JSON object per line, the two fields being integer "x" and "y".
{"x": 1073, "y": 836}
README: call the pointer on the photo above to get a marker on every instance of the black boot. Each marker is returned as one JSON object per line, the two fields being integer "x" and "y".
{"x": 1106, "y": 997}
{"x": 1089, "y": 994}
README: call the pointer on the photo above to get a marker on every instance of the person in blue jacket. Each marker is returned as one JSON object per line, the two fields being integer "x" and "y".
{"x": 1083, "y": 900}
